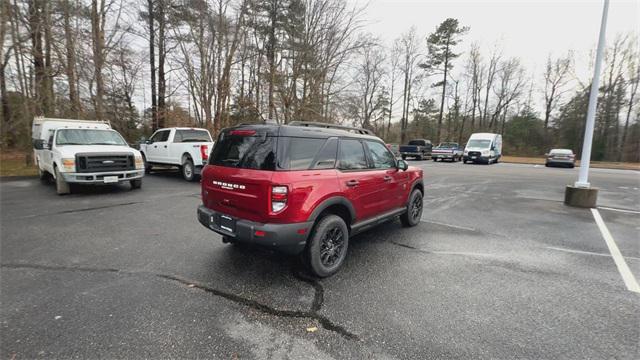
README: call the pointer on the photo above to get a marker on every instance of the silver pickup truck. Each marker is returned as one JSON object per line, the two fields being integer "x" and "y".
{"x": 448, "y": 150}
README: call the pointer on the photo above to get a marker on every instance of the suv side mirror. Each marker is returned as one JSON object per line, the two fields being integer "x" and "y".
{"x": 148, "y": 142}
{"x": 402, "y": 165}
{"x": 40, "y": 144}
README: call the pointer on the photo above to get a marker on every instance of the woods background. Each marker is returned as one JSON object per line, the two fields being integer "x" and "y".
{"x": 214, "y": 63}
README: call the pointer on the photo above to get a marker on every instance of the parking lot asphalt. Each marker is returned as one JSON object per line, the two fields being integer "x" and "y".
{"x": 498, "y": 268}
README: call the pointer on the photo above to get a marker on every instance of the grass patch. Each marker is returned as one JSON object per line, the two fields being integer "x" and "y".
{"x": 594, "y": 164}
{"x": 16, "y": 167}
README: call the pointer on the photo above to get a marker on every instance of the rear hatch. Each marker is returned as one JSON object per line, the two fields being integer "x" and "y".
{"x": 237, "y": 181}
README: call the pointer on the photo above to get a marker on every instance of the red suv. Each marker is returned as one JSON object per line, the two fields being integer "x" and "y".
{"x": 305, "y": 188}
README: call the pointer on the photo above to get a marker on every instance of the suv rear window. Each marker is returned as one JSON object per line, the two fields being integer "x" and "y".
{"x": 246, "y": 152}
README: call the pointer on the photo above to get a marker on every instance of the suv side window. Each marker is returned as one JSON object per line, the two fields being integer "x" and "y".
{"x": 380, "y": 155}
{"x": 351, "y": 155}
{"x": 160, "y": 136}
{"x": 326, "y": 159}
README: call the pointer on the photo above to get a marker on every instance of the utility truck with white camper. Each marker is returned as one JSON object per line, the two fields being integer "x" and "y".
{"x": 483, "y": 148}
{"x": 186, "y": 148}
{"x": 83, "y": 152}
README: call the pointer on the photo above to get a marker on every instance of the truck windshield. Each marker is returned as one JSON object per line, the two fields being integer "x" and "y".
{"x": 479, "y": 143}
{"x": 447, "y": 145}
{"x": 89, "y": 137}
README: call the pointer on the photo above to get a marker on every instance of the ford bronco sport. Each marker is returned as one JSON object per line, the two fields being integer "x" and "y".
{"x": 305, "y": 188}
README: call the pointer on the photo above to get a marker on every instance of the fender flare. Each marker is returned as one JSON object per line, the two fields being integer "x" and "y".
{"x": 186, "y": 155}
{"x": 415, "y": 184}
{"x": 334, "y": 200}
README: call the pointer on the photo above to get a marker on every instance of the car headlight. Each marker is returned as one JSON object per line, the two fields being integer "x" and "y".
{"x": 139, "y": 162}
{"x": 68, "y": 165}
{"x": 485, "y": 152}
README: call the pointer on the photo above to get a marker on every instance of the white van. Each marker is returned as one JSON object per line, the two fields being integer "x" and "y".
{"x": 483, "y": 147}
{"x": 83, "y": 151}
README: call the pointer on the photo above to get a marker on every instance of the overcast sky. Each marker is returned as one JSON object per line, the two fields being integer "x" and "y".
{"x": 526, "y": 29}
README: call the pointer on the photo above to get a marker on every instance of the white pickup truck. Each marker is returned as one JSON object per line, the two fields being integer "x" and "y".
{"x": 186, "y": 148}
{"x": 85, "y": 152}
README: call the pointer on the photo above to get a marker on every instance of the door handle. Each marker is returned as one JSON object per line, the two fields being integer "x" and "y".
{"x": 155, "y": 146}
{"x": 165, "y": 146}
{"x": 387, "y": 178}
{"x": 352, "y": 183}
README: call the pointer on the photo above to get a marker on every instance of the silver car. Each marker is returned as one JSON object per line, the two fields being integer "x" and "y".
{"x": 560, "y": 157}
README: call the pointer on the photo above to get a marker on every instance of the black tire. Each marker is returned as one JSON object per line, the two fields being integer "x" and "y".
{"x": 135, "y": 184}
{"x": 43, "y": 175}
{"x": 547, "y": 165}
{"x": 327, "y": 246}
{"x": 147, "y": 166}
{"x": 404, "y": 157}
{"x": 188, "y": 170}
{"x": 62, "y": 187}
{"x": 435, "y": 159}
{"x": 414, "y": 209}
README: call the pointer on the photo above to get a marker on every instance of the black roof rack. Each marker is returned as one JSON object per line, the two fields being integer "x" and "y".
{"x": 356, "y": 130}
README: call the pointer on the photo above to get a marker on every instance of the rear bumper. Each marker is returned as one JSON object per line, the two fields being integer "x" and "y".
{"x": 98, "y": 178}
{"x": 561, "y": 162}
{"x": 289, "y": 238}
{"x": 477, "y": 158}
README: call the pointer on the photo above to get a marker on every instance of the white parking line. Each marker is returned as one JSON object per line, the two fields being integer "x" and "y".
{"x": 573, "y": 251}
{"x": 625, "y": 272}
{"x": 619, "y": 210}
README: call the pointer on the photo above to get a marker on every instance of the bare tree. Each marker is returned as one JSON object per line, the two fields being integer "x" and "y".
{"x": 369, "y": 79}
{"x": 556, "y": 78}
{"x": 409, "y": 48}
{"x": 633, "y": 73}
{"x": 491, "y": 71}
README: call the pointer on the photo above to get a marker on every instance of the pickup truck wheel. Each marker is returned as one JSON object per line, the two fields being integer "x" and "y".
{"x": 327, "y": 247}
{"x": 188, "y": 171}
{"x": 43, "y": 175}
{"x": 147, "y": 166}
{"x": 404, "y": 157}
{"x": 435, "y": 159}
{"x": 136, "y": 184}
{"x": 414, "y": 210}
{"x": 62, "y": 187}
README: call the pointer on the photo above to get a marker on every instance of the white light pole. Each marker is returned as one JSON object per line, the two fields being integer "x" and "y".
{"x": 585, "y": 159}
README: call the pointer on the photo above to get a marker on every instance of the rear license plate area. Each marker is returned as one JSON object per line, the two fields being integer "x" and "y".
{"x": 227, "y": 223}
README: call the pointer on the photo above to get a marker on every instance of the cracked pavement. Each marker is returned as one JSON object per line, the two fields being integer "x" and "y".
{"x": 498, "y": 268}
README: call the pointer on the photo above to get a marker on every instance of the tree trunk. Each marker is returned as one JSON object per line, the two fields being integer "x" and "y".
{"x": 97, "y": 32}
{"x": 444, "y": 92}
{"x": 162, "y": 88}
{"x": 70, "y": 67}
{"x": 152, "y": 64}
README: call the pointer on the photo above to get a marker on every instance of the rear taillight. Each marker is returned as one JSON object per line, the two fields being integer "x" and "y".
{"x": 242, "y": 132}
{"x": 279, "y": 196}
{"x": 204, "y": 152}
